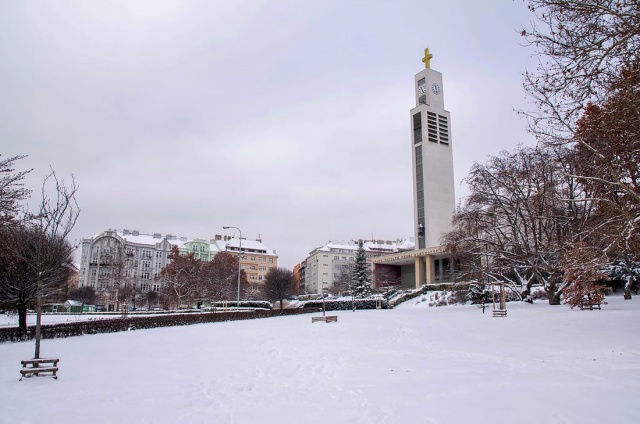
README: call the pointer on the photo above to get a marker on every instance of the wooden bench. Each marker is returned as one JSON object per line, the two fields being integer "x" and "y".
{"x": 35, "y": 367}
{"x": 328, "y": 318}
{"x": 499, "y": 312}
{"x": 590, "y": 306}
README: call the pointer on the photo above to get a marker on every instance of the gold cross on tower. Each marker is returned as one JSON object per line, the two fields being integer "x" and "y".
{"x": 427, "y": 59}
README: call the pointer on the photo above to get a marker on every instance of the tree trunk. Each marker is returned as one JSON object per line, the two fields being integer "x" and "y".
{"x": 526, "y": 293}
{"x": 22, "y": 318}
{"x": 281, "y": 303}
{"x": 627, "y": 288}
{"x": 554, "y": 296}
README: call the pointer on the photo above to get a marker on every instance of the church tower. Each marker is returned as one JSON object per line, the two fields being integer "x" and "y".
{"x": 433, "y": 186}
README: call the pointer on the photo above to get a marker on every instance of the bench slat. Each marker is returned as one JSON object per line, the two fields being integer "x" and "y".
{"x": 330, "y": 318}
{"x": 54, "y": 361}
{"x": 38, "y": 370}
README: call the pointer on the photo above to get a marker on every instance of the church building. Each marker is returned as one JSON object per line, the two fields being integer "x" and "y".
{"x": 433, "y": 187}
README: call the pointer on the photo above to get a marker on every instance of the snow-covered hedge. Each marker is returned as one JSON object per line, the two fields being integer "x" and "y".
{"x": 255, "y": 304}
{"x": 343, "y": 304}
{"x": 71, "y": 329}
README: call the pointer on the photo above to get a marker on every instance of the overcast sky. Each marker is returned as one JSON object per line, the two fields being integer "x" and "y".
{"x": 288, "y": 119}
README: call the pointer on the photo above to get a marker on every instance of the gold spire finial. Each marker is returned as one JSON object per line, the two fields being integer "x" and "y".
{"x": 427, "y": 58}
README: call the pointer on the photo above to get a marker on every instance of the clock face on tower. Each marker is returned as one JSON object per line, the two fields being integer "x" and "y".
{"x": 421, "y": 90}
{"x": 435, "y": 88}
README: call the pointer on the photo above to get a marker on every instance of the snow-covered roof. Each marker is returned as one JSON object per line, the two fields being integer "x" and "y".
{"x": 149, "y": 239}
{"x": 369, "y": 246}
{"x": 251, "y": 246}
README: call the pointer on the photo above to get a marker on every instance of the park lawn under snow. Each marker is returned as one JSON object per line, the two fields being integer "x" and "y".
{"x": 11, "y": 320}
{"x": 412, "y": 364}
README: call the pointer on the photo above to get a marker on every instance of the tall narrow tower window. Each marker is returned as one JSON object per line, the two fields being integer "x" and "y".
{"x": 432, "y": 127}
{"x": 443, "y": 126}
{"x": 417, "y": 128}
{"x": 420, "y": 193}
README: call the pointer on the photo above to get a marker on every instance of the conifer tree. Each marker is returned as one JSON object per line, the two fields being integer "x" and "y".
{"x": 361, "y": 277}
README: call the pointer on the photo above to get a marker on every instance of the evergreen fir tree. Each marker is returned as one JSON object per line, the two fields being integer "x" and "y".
{"x": 360, "y": 277}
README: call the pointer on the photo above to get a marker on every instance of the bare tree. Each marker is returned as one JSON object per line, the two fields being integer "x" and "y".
{"x": 585, "y": 92}
{"x": 123, "y": 274}
{"x": 252, "y": 291}
{"x": 181, "y": 276}
{"x": 11, "y": 190}
{"x": 522, "y": 210}
{"x": 86, "y": 295}
{"x": 581, "y": 46}
{"x": 278, "y": 285}
{"x": 38, "y": 247}
{"x": 220, "y": 276}
{"x": 387, "y": 278}
{"x": 152, "y": 298}
{"x": 341, "y": 279}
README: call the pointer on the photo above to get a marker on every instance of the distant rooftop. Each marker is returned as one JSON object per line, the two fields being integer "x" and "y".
{"x": 219, "y": 243}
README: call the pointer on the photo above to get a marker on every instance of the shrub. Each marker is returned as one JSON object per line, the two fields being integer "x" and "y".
{"x": 344, "y": 305}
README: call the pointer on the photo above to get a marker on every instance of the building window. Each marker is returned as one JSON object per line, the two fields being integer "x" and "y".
{"x": 420, "y": 192}
{"x": 432, "y": 127}
{"x": 417, "y": 128}
{"x": 443, "y": 127}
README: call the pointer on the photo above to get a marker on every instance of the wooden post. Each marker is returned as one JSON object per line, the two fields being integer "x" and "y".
{"x": 38, "y": 315}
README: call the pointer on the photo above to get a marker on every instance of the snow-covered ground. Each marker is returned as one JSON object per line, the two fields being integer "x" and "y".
{"x": 11, "y": 320}
{"x": 411, "y": 364}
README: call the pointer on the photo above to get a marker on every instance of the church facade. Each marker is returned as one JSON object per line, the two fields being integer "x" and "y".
{"x": 433, "y": 186}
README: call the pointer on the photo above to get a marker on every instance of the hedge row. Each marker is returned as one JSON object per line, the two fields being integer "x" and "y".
{"x": 71, "y": 329}
{"x": 260, "y": 304}
{"x": 343, "y": 305}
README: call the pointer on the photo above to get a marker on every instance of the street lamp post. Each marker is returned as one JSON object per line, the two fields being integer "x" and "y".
{"x": 239, "y": 266}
